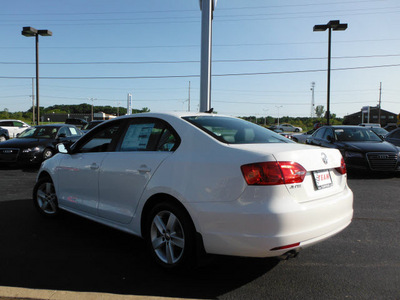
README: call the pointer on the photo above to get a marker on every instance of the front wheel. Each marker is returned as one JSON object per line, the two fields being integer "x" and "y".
{"x": 47, "y": 153}
{"x": 45, "y": 198}
{"x": 170, "y": 236}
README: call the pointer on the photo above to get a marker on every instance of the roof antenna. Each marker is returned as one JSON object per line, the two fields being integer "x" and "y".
{"x": 210, "y": 111}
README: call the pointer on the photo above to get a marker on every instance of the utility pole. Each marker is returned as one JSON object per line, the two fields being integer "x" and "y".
{"x": 33, "y": 102}
{"x": 379, "y": 105}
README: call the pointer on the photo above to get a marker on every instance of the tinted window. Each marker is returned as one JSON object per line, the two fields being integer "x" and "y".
{"x": 328, "y": 132}
{"x": 395, "y": 134}
{"x": 235, "y": 131}
{"x": 7, "y": 123}
{"x": 64, "y": 130}
{"x": 319, "y": 134}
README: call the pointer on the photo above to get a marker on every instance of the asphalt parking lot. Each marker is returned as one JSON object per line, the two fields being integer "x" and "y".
{"x": 73, "y": 254}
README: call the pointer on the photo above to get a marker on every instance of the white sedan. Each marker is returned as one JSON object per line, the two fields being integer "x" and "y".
{"x": 289, "y": 128}
{"x": 199, "y": 182}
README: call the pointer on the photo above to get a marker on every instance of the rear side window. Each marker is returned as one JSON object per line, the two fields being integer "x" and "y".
{"x": 235, "y": 131}
{"x": 148, "y": 134}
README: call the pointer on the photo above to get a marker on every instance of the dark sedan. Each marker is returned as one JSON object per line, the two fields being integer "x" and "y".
{"x": 37, "y": 144}
{"x": 361, "y": 147}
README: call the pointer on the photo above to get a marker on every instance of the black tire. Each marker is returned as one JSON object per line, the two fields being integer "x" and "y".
{"x": 47, "y": 153}
{"x": 297, "y": 130}
{"x": 170, "y": 236}
{"x": 45, "y": 198}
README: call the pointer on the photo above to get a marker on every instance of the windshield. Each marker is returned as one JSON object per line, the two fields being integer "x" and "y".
{"x": 235, "y": 131}
{"x": 356, "y": 135}
{"x": 39, "y": 132}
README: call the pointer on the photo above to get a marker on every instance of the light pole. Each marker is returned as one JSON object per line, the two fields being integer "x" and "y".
{"x": 28, "y": 32}
{"x": 265, "y": 120}
{"x": 92, "y": 99}
{"x": 336, "y": 26}
{"x": 207, "y": 8}
{"x": 278, "y": 107}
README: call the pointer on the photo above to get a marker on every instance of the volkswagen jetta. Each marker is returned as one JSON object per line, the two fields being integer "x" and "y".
{"x": 188, "y": 182}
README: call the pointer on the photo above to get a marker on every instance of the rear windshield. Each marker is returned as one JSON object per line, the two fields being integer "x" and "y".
{"x": 235, "y": 131}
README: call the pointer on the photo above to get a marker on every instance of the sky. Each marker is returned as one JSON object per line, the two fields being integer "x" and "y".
{"x": 265, "y": 55}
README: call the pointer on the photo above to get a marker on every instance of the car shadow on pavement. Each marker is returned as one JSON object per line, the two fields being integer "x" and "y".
{"x": 372, "y": 175}
{"x": 75, "y": 254}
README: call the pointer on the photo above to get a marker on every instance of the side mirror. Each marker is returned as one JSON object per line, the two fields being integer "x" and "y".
{"x": 64, "y": 148}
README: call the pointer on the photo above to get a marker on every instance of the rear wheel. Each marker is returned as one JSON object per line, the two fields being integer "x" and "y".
{"x": 45, "y": 198}
{"x": 170, "y": 236}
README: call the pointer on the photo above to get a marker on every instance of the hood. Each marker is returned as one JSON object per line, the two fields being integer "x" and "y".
{"x": 23, "y": 143}
{"x": 369, "y": 146}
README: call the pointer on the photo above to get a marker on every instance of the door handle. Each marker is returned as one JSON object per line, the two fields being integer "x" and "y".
{"x": 144, "y": 169}
{"x": 94, "y": 166}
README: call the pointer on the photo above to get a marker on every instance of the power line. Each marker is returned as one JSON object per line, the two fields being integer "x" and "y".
{"x": 198, "y": 45}
{"x": 197, "y": 61}
{"x": 191, "y": 10}
{"x": 196, "y": 75}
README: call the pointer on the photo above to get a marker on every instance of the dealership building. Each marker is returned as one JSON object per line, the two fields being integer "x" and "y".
{"x": 371, "y": 114}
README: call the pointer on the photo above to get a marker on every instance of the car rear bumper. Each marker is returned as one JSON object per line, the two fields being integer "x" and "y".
{"x": 253, "y": 228}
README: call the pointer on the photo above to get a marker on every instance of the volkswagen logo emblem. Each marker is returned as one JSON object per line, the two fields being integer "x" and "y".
{"x": 324, "y": 158}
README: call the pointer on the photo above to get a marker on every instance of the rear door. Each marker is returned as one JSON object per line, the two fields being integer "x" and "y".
{"x": 126, "y": 172}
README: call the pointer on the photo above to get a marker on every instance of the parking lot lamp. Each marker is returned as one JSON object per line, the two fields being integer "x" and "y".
{"x": 336, "y": 26}
{"x": 278, "y": 107}
{"x": 28, "y": 32}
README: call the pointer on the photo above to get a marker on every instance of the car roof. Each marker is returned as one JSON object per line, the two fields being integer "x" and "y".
{"x": 55, "y": 125}
{"x": 12, "y": 120}
{"x": 178, "y": 114}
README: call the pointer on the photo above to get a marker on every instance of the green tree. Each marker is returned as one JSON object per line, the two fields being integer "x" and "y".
{"x": 319, "y": 111}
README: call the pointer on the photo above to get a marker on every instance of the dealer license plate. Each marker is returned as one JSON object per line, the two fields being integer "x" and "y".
{"x": 322, "y": 179}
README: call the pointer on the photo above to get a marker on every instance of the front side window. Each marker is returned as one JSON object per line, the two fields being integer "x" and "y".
{"x": 64, "y": 130}
{"x": 100, "y": 140}
{"x": 319, "y": 134}
{"x": 235, "y": 131}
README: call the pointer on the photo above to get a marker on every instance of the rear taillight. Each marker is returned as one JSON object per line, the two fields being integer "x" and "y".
{"x": 273, "y": 173}
{"x": 342, "y": 169}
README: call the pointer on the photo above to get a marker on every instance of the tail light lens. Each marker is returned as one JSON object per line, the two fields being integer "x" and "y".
{"x": 342, "y": 169}
{"x": 273, "y": 173}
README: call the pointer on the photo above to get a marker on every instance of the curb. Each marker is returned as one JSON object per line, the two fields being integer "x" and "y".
{"x": 8, "y": 293}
